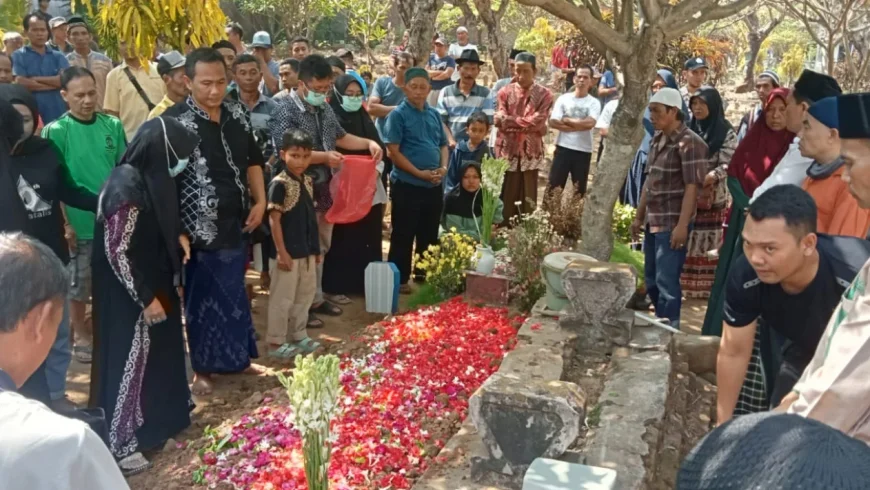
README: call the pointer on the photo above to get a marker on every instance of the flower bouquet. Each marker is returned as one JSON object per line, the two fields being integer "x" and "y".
{"x": 492, "y": 178}
{"x": 445, "y": 264}
{"x": 314, "y": 389}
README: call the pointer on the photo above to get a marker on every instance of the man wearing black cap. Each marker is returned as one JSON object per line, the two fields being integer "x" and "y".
{"x": 459, "y": 101}
{"x": 833, "y": 388}
{"x": 170, "y": 66}
{"x": 695, "y": 71}
{"x": 792, "y": 168}
{"x": 764, "y": 84}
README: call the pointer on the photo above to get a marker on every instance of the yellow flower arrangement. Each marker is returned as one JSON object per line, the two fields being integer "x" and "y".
{"x": 445, "y": 264}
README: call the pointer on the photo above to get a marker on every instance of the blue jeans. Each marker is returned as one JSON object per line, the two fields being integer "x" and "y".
{"x": 59, "y": 357}
{"x": 662, "y": 268}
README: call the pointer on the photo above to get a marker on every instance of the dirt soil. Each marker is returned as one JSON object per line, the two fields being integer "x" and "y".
{"x": 588, "y": 370}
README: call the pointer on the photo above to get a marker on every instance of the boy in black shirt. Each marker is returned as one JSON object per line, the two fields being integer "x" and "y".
{"x": 293, "y": 269}
{"x": 791, "y": 277}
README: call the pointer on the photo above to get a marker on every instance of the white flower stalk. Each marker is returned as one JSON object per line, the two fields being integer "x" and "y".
{"x": 314, "y": 391}
{"x": 492, "y": 178}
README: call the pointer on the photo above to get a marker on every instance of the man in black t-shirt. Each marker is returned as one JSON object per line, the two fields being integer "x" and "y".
{"x": 791, "y": 277}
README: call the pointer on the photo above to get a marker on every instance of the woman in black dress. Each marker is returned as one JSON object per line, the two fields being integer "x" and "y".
{"x": 138, "y": 375}
{"x": 354, "y": 245}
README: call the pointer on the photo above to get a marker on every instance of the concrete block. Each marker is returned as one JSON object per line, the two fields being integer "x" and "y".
{"x": 597, "y": 294}
{"x": 491, "y": 290}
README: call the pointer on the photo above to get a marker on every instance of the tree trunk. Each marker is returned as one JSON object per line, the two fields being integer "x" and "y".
{"x": 496, "y": 45}
{"x": 830, "y": 50}
{"x": 422, "y": 26}
{"x": 754, "y": 47}
{"x": 623, "y": 140}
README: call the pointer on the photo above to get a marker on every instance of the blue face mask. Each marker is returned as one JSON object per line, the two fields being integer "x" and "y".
{"x": 314, "y": 98}
{"x": 351, "y": 104}
{"x": 179, "y": 167}
{"x": 174, "y": 170}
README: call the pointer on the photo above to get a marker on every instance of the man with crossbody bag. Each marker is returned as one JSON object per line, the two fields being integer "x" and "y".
{"x": 132, "y": 90}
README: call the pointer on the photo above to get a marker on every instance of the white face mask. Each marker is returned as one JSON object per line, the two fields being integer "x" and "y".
{"x": 181, "y": 163}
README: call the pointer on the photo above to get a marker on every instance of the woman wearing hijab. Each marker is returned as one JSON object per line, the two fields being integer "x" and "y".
{"x": 463, "y": 206}
{"x": 138, "y": 375}
{"x": 637, "y": 173}
{"x": 354, "y": 245}
{"x": 708, "y": 121}
{"x": 42, "y": 184}
{"x": 13, "y": 217}
{"x": 753, "y": 161}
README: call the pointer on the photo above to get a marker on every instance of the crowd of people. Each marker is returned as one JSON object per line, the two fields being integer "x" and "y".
{"x": 156, "y": 185}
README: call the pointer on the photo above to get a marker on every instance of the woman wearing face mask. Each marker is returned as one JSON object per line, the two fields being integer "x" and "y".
{"x": 354, "y": 245}
{"x": 42, "y": 184}
{"x": 138, "y": 375}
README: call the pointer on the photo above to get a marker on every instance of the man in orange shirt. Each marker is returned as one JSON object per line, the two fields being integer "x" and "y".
{"x": 839, "y": 213}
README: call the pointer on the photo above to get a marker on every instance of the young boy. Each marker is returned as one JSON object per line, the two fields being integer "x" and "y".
{"x": 471, "y": 150}
{"x": 297, "y": 250}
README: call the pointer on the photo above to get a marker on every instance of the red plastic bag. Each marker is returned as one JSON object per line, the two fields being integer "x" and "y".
{"x": 353, "y": 190}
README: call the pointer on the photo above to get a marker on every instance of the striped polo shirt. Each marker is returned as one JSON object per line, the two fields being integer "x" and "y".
{"x": 455, "y": 107}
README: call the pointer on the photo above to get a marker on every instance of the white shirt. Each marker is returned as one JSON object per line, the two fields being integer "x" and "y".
{"x": 792, "y": 169}
{"x": 455, "y": 51}
{"x": 568, "y": 105}
{"x": 40, "y": 449}
{"x": 606, "y": 117}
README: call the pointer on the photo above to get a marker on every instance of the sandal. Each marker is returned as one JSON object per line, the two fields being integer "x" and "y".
{"x": 286, "y": 352}
{"x": 339, "y": 299}
{"x": 307, "y": 345}
{"x": 134, "y": 464}
{"x": 327, "y": 308}
{"x": 83, "y": 353}
{"x": 313, "y": 321}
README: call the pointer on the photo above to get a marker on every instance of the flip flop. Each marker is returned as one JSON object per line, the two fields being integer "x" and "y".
{"x": 286, "y": 352}
{"x": 313, "y": 321}
{"x": 327, "y": 308}
{"x": 307, "y": 345}
{"x": 134, "y": 464}
{"x": 340, "y": 299}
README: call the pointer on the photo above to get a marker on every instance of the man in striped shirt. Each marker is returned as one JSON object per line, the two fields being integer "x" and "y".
{"x": 676, "y": 167}
{"x": 459, "y": 101}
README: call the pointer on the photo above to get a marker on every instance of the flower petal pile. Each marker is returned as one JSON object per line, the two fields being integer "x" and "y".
{"x": 400, "y": 403}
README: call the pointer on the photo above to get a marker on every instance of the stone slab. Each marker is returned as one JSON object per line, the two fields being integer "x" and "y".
{"x": 551, "y": 474}
{"x": 547, "y": 332}
{"x": 491, "y": 290}
{"x": 633, "y": 397}
{"x": 534, "y": 362}
{"x": 647, "y": 337}
{"x": 597, "y": 295}
{"x": 700, "y": 351}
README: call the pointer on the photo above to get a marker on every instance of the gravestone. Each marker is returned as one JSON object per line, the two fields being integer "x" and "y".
{"x": 598, "y": 293}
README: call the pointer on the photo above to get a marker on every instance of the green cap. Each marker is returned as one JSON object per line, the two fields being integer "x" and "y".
{"x": 415, "y": 72}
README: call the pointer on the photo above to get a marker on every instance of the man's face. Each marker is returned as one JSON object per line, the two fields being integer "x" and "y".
{"x": 297, "y": 159}
{"x": 462, "y": 36}
{"x": 440, "y": 50}
{"x": 795, "y": 112}
{"x": 469, "y": 71}
{"x": 248, "y": 76}
{"x": 697, "y": 77}
{"x": 229, "y": 56}
{"x": 175, "y": 85}
{"x": 80, "y": 37}
{"x": 209, "y": 84}
{"x": 232, "y": 36}
{"x": 402, "y": 66}
{"x": 525, "y": 74}
{"x": 662, "y": 116}
{"x": 773, "y": 251}
{"x": 417, "y": 90}
{"x": 299, "y": 50}
{"x": 5, "y": 69}
{"x": 265, "y": 53}
{"x": 763, "y": 87}
{"x": 38, "y": 32}
{"x": 289, "y": 78}
{"x": 81, "y": 97}
{"x": 817, "y": 140}
{"x": 856, "y": 154}
{"x": 583, "y": 80}
{"x": 59, "y": 35}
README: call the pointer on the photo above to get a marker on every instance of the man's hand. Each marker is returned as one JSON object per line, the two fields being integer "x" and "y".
{"x": 679, "y": 236}
{"x": 710, "y": 179}
{"x": 70, "y": 235}
{"x": 451, "y": 142}
{"x": 376, "y": 151}
{"x": 636, "y": 227}
{"x": 285, "y": 262}
{"x": 185, "y": 246}
{"x": 255, "y": 217}
{"x": 335, "y": 159}
{"x": 154, "y": 313}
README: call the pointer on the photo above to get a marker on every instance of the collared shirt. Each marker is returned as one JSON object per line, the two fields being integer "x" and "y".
{"x": 674, "y": 161}
{"x": 261, "y": 115}
{"x": 123, "y": 98}
{"x": 390, "y": 94}
{"x": 322, "y": 125}
{"x": 455, "y": 107}
{"x": 67, "y": 49}
{"x": 521, "y": 138}
{"x": 420, "y": 136}
{"x": 792, "y": 169}
{"x": 98, "y": 64}
{"x": 160, "y": 108}
{"x": 26, "y": 62}
{"x": 214, "y": 186}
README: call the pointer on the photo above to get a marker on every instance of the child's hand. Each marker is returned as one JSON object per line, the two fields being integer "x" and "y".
{"x": 285, "y": 262}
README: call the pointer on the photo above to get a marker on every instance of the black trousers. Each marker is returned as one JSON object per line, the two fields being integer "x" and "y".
{"x": 416, "y": 217}
{"x": 573, "y": 162}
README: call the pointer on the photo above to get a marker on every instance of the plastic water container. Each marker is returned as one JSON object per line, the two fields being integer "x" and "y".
{"x": 551, "y": 273}
{"x": 382, "y": 288}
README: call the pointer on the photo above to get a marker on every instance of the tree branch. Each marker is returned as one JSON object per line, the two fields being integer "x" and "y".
{"x": 689, "y": 14}
{"x": 651, "y": 10}
{"x": 600, "y": 35}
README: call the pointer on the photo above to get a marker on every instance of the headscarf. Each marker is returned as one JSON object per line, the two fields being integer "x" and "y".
{"x": 13, "y": 216}
{"x": 714, "y": 129}
{"x": 761, "y": 150}
{"x": 16, "y": 94}
{"x": 145, "y": 167}
{"x": 461, "y": 202}
{"x": 357, "y": 123}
